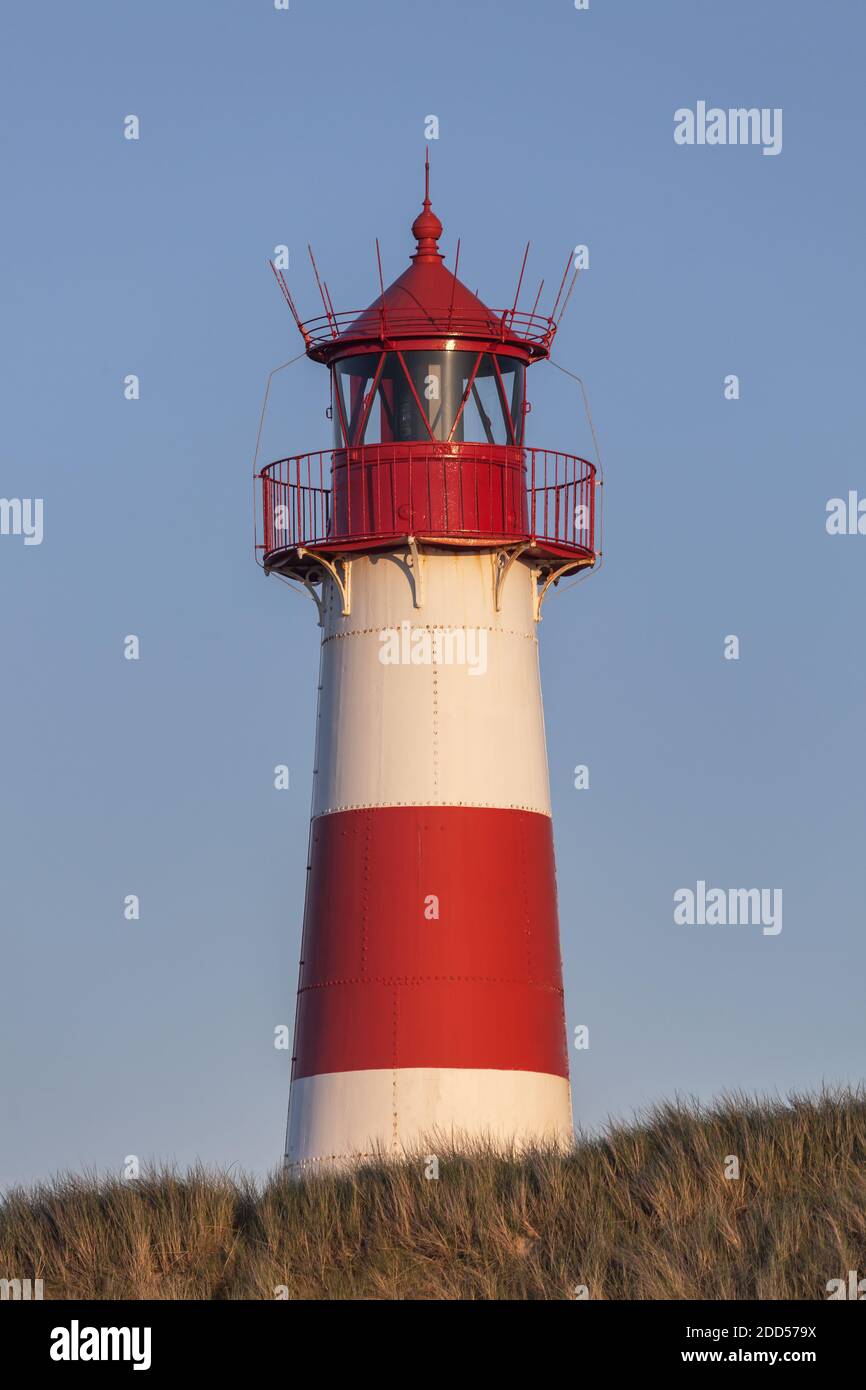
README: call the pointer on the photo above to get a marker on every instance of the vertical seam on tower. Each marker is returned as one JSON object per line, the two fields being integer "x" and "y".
{"x": 394, "y": 1125}
{"x": 365, "y": 896}
{"x": 526, "y": 924}
{"x": 435, "y": 670}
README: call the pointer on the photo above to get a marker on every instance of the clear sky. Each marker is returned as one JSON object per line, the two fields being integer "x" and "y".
{"x": 155, "y": 777}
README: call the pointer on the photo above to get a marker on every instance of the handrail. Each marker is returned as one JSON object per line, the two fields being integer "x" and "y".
{"x": 320, "y": 331}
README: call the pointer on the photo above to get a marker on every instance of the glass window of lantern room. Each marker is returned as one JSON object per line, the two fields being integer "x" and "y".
{"x": 439, "y": 379}
{"x": 493, "y": 412}
{"x": 394, "y": 414}
{"x": 352, "y": 380}
{"x": 459, "y": 395}
{"x": 512, "y": 375}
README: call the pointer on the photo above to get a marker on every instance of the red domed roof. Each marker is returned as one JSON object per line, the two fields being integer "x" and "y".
{"x": 427, "y": 299}
{"x": 426, "y": 302}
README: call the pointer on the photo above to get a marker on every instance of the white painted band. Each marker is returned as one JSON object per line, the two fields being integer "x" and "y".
{"x": 339, "y": 1117}
{"x": 430, "y": 696}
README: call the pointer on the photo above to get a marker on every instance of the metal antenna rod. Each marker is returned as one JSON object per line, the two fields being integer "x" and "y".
{"x": 561, "y": 287}
{"x": 454, "y": 284}
{"x": 281, "y": 281}
{"x": 330, "y": 303}
{"x": 519, "y": 282}
{"x": 567, "y": 297}
{"x": 535, "y": 305}
{"x": 381, "y": 285}
{"x": 328, "y": 313}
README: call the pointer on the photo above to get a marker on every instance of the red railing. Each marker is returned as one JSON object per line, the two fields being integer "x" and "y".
{"x": 359, "y": 499}
{"x": 536, "y": 329}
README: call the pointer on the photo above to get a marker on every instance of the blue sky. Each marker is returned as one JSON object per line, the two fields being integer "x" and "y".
{"x": 155, "y": 777}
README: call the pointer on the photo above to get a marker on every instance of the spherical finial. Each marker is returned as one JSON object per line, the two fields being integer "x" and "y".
{"x": 427, "y": 229}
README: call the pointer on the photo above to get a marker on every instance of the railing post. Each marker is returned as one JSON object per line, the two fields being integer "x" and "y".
{"x": 532, "y": 495}
{"x": 348, "y": 487}
{"x": 267, "y": 512}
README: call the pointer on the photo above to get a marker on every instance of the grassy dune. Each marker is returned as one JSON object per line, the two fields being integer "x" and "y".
{"x": 643, "y": 1212}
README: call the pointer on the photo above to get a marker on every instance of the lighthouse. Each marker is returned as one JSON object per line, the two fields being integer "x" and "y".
{"x": 430, "y": 999}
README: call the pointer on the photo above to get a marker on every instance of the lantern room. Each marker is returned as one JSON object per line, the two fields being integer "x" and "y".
{"x": 448, "y": 394}
{"x": 428, "y": 404}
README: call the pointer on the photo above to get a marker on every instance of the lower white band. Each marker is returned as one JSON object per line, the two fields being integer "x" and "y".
{"x": 339, "y": 1117}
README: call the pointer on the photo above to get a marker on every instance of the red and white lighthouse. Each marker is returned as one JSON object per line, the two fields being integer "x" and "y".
{"x": 430, "y": 1001}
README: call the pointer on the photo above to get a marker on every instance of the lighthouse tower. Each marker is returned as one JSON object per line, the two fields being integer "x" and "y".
{"x": 430, "y": 1001}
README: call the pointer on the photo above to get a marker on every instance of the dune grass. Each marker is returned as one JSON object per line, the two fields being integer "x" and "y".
{"x": 645, "y": 1211}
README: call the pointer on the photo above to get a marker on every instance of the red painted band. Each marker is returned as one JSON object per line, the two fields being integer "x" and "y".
{"x": 386, "y": 983}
